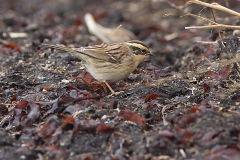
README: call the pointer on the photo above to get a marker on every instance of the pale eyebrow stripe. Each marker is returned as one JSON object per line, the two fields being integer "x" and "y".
{"x": 139, "y": 46}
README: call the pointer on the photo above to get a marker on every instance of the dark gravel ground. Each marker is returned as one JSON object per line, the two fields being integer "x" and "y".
{"x": 183, "y": 103}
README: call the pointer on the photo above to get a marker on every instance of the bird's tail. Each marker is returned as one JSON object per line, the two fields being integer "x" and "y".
{"x": 59, "y": 47}
{"x": 66, "y": 49}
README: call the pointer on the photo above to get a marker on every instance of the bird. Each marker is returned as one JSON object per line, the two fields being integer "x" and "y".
{"x": 109, "y": 62}
{"x": 108, "y": 35}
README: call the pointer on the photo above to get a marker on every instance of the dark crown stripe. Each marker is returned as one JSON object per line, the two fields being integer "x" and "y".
{"x": 137, "y": 42}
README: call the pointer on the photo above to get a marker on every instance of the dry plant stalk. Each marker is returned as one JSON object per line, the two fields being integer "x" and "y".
{"x": 216, "y": 26}
{"x": 217, "y": 7}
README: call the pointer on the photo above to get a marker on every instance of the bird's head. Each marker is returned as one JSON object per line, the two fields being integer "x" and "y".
{"x": 139, "y": 49}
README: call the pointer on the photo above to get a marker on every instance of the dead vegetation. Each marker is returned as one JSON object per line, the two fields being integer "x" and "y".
{"x": 181, "y": 104}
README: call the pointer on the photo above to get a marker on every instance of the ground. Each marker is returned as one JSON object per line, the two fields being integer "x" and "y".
{"x": 182, "y": 103}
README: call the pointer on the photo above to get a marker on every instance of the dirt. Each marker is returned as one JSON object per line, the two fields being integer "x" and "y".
{"x": 182, "y": 103}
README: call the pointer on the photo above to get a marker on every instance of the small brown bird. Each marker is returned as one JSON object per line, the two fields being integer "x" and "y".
{"x": 108, "y": 35}
{"x": 109, "y": 62}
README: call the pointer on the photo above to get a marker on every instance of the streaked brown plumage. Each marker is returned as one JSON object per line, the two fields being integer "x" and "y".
{"x": 109, "y": 62}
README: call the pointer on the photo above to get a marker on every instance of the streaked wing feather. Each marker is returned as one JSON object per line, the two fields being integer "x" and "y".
{"x": 111, "y": 52}
{"x": 95, "y": 51}
{"x": 98, "y": 52}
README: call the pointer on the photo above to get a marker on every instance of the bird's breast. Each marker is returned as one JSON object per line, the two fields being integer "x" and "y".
{"x": 109, "y": 72}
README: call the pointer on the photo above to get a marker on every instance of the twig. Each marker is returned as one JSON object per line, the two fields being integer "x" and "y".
{"x": 214, "y": 26}
{"x": 207, "y": 42}
{"x": 197, "y": 16}
{"x": 215, "y": 6}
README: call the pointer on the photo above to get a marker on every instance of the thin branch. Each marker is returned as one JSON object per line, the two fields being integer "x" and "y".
{"x": 215, "y": 6}
{"x": 197, "y": 16}
{"x": 208, "y": 42}
{"x": 217, "y": 26}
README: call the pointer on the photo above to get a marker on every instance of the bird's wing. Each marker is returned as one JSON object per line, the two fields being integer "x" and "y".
{"x": 105, "y": 52}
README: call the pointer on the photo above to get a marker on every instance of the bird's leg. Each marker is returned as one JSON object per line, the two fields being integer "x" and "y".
{"x": 110, "y": 88}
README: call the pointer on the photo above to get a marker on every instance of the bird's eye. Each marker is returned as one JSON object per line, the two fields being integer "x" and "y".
{"x": 144, "y": 51}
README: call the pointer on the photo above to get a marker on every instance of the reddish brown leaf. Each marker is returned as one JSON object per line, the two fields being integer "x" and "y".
{"x": 73, "y": 88}
{"x": 49, "y": 128}
{"x": 87, "y": 80}
{"x": 103, "y": 128}
{"x": 14, "y": 98}
{"x": 206, "y": 87}
{"x": 84, "y": 77}
{"x": 225, "y": 71}
{"x": 223, "y": 74}
{"x": 65, "y": 100}
{"x": 194, "y": 110}
{"x": 96, "y": 87}
{"x": 47, "y": 88}
{"x": 209, "y": 52}
{"x": 212, "y": 74}
{"x": 12, "y": 46}
{"x": 82, "y": 74}
{"x": 22, "y": 104}
{"x": 68, "y": 120}
{"x": 132, "y": 116}
{"x": 151, "y": 96}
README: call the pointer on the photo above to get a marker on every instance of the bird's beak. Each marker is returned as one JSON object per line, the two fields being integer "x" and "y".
{"x": 151, "y": 54}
